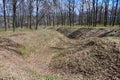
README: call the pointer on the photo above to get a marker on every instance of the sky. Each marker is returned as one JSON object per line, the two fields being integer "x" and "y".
{"x": 0, "y": 1}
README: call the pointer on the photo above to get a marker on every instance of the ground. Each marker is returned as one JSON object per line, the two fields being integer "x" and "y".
{"x": 51, "y": 54}
{"x": 26, "y": 54}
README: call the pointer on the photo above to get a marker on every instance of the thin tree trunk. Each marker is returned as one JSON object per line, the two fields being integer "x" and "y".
{"x": 115, "y": 13}
{"x": 30, "y": 21}
{"x": 96, "y": 11}
{"x": 37, "y": 8}
{"x": 53, "y": 19}
{"x": 82, "y": 15}
{"x": 4, "y": 6}
{"x": 14, "y": 16}
{"x": 70, "y": 20}
{"x": 106, "y": 13}
{"x": 93, "y": 19}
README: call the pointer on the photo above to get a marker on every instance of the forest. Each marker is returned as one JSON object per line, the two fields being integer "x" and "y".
{"x": 28, "y": 13}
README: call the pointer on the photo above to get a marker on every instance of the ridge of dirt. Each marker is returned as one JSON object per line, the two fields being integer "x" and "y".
{"x": 54, "y": 54}
{"x": 89, "y": 32}
{"x": 94, "y": 59}
{"x": 66, "y": 31}
{"x": 10, "y": 45}
{"x": 94, "y": 32}
{"x": 12, "y": 62}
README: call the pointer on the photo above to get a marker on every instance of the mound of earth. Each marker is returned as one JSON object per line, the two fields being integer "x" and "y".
{"x": 65, "y": 31}
{"x": 7, "y": 44}
{"x": 35, "y": 55}
{"x": 10, "y": 60}
{"x": 94, "y": 32}
{"x": 94, "y": 59}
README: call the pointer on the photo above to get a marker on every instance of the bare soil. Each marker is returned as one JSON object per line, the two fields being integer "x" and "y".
{"x": 66, "y": 31}
{"x": 94, "y": 56}
{"x": 89, "y": 32}
{"x": 13, "y": 66}
{"x": 10, "y": 60}
{"x": 82, "y": 56}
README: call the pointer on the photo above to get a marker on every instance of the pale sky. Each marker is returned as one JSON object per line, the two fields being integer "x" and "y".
{"x": 0, "y": 1}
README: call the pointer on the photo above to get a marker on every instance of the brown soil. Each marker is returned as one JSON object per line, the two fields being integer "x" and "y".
{"x": 13, "y": 63}
{"x": 89, "y": 32}
{"x": 90, "y": 58}
{"x": 9, "y": 45}
{"x": 94, "y": 59}
{"x": 65, "y": 31}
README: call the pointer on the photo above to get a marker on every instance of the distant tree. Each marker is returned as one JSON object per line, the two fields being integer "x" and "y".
{"x": 30, "y": 10}
{"x": 71, "y": 10}
{"x": 100, "y": 13}
{"x": 96, "y": 12}
{"x": 106, "y": 12}
{"x": 14, "y": 4}
{"x": 4, "y": 11}
{"x": 22, "y": 13}
{"x": 95, "y": 9}
{"x": 8, "y": 12}
{"x": 115, "y": 13}
{"x": 37, "y": 13}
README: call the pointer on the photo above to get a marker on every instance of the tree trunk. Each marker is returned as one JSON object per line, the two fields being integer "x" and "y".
{"x": 37, "y": 8}
{"x": 4, "y": 6}
{"x": 106, "y": 13}
{"x": 115, "y": 13}
{"x": 14, "y": 16}
{"x": 70, "y": 20}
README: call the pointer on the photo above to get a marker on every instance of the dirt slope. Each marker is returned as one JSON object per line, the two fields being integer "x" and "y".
{"x": 94, "y": 59}
{"x": 66, "y": 31}
{"x": 10, "y": 60}
{"x": 95, "y": 32}
{"x": 38, "y": 55}
{"x": 26, "y": 56}
{"x": 89, "y": 32}
{"x": 94, "y": 56}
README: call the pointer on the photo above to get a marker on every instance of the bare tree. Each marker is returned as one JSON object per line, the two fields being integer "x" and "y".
{"x": 106, "y": 12}
{"x": 14, "y": 4}
{"x": 37, "y": 9}
{"x": 116, "y": 7}
{"x": 4, "y": 7}
{"x": 30, "y": 10}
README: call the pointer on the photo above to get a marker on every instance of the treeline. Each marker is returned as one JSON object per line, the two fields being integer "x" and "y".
{"x": 32, "y": 13}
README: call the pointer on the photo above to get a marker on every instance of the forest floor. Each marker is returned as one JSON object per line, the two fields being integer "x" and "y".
{"x": 60, "y": 54}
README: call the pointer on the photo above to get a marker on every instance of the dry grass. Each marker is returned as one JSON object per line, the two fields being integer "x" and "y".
{"x": 36, "y": 53}
{"x": 68, "y": 56}
{"x": 93, "y": 58}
